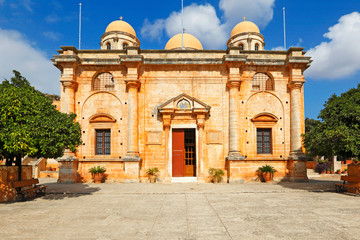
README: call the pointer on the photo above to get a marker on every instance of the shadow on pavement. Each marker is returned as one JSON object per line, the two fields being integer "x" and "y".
{"x": 313, "y": 185}
{"x": 56, "y": 191}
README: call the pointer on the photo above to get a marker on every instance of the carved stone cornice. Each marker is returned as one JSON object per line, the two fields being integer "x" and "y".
{"x": 233, "y": 84}
{"x": 296, "y": 84}
{"x": 132, "y": 84}
{"x": 69, "y": 84}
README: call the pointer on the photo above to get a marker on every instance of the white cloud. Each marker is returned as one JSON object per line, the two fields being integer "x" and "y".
{"x": 203, "y": 22}
{"x": 279, "y": 48}
{"x": 339, "y": 57}
{"x": 52, "y": 35}
{"x": 18, "y": 54}
{"x": 257, "y": 11}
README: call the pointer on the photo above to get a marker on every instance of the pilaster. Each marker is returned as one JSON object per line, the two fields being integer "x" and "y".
{"x": 233, "y": 84}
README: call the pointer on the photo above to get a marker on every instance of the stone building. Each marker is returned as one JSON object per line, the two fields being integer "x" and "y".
{"x": 184, "y": 109}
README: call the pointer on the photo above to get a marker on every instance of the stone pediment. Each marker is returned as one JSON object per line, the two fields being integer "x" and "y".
{"x": 101, "y": 118}
{"x": 265, "y": 117}
{"x": 183, "y": 104}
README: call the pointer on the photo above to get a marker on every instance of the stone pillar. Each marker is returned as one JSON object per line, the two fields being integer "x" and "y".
{"x": 68, "y": 97}
{"x": 167, "y": 124}
{"x": 132, "y": 158}
{"x": 234, "y": 122}
{"x": 201, "y": 146}
{"x": 68, "y": 164}
{"x": 132, "y": 123}
{"x": 296, "y": 120}
{"x": 297, "y": 159}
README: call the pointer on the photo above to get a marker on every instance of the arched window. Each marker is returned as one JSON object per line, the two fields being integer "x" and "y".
{"x": 125, "y": 45}
{"x": 256, "y": 47}
{"x": 104, "y": 82}
{"x": 241, "y": 46}
{"x": 262, "y": 82}
{"x": 108, "y": 46}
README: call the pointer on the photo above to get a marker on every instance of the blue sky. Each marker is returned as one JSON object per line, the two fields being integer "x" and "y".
{"x": 32, "y": 30}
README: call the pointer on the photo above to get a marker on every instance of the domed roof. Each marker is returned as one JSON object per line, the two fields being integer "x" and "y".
{"x": 190, "y": 42}
{"x": 120, "y": 26}
{"x": 245, "y": 26}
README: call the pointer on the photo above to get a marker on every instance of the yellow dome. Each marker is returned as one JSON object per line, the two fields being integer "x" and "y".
{"x": 189, "y": 42}
{"x": 245, "y": 26}
{"x": 121, "y": 26}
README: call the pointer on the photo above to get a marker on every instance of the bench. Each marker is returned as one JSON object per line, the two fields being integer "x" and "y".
{"x": 28, "y": 188}
{"x": 350, "y": 184}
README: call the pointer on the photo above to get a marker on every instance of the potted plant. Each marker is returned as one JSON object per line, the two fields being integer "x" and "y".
{"x": 153, "y": 173}
{"x": 216, "y": 174}
{"x": 97, "y": 173}
{"x": 266, "y": 173}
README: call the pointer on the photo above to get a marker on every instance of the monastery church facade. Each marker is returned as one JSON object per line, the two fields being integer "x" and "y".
{"x": 184, "y": 109}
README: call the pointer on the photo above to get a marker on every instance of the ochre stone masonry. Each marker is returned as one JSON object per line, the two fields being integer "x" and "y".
{"x": 244, "y": 103}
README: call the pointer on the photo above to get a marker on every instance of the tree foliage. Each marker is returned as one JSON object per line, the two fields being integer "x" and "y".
{"x": 31, "y": 125}
{"x": 338, "y": 131}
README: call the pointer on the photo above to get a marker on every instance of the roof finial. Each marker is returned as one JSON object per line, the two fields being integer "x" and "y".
{"x": 121, "y": 18}
{"x": 244, "y": 18}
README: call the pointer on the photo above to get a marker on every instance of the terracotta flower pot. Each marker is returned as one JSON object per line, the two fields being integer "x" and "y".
{"x": 267, "y": 176}
{"x": 98, "y": 177}
{"x": 152, "y": 178}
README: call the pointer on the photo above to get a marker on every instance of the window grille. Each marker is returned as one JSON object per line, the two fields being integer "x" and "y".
{"x": 108, "y": 46}
{"x": 125, "y": 45}
{"x": 262, "y": 82}
{"x": 256, "y": 47}
{"x": 103, "y": 142}
{"x": 104, "y": 82}
{"x": 264, "y": 141}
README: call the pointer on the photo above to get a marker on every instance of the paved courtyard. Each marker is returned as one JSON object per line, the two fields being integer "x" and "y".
{"x": 185, "y": 211}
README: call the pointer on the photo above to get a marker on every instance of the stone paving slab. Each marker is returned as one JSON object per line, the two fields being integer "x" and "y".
{"x": 185, "y": 211}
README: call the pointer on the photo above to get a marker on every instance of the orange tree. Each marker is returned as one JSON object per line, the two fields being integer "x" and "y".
{"x": 31, "y": 125}
{"x": 338, "y": 131}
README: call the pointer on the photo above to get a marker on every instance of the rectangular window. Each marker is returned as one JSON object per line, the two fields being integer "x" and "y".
{"x": 102, "y": 145}
{"x": 264, "y": 141}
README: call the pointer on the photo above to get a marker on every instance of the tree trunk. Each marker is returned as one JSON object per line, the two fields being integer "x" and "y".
{"x": 18, "y": 163}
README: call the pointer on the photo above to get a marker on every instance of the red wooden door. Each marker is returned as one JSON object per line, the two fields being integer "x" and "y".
{"x": 178, "y": 153}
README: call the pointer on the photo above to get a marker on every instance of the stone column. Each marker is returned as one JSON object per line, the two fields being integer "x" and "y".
{"x": 201, "y": 145}
{"x": 132, "y": 123}
{"x": 68, "y": 96}
{"x": 68, "y": 164}
{"x": 297, "y": 159}
{"x": 132, "y": 158}
{"x": 295, "y": 119}
{"x": 167, "y": 124}
{"x": 234, "y": 122}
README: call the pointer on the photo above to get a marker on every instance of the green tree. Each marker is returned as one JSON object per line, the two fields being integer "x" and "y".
{"x": 338, "y": 131}
{"x": 31, "y": 125}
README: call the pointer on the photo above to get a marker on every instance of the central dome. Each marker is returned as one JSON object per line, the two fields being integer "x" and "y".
{"x": 245, "y": 26}
{"x": 190, "y": 42}
{"x": 120, "y": 26}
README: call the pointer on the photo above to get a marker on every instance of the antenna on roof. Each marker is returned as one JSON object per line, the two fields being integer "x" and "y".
{"x": 79, "y": 26}
{"x": 182, "y": 24}
{"x": 284, "y": 28}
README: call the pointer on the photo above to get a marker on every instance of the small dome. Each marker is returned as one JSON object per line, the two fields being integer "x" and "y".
{"x": 245, "y": 26}
{"x": 190, "y": 42}
{"x": 120, "y": 26}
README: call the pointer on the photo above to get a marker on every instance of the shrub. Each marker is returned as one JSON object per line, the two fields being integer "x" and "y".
{"x": 153, "y": 171}
{"x": 97, "y": 169}
{"x": 267, "y": 168}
